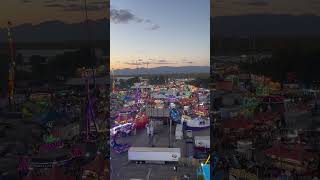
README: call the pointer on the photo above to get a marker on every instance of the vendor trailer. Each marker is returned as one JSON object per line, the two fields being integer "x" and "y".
{"x": 154, "y": 154}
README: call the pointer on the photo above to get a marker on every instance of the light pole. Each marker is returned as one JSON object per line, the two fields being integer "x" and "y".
{"x": 170, "y": 125}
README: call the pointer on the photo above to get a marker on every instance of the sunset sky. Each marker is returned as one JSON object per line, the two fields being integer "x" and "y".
{"x": 37, "y": 11}
{"x": 161, "y": 33}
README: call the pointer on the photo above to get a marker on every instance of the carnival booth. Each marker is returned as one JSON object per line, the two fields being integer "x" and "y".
{"x": 124, "y": 117}
{"x": 141, "y": 120}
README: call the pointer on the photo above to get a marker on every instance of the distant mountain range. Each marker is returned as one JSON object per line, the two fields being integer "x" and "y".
{"x": 260, "y": 25}
{"x": 266, "y": 25}
{"x": 58, "y": 31}
{"x": 163, "y": 70}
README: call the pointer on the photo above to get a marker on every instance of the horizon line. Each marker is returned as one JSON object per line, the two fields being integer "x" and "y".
{"x": 161, "y": 66}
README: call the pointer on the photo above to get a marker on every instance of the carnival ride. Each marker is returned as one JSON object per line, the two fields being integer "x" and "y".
{"x": 90, "y": 131}
{"x": 122, "y": 130}
{"x": 196, "y": 123}
{"x": 119, "y": 148}
{"x": 201, "y": 111}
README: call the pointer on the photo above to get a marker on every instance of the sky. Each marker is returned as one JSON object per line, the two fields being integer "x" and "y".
{"x": 38, "y": 11}
{"x": 275, "y": 7}
{"x": 157, "y": 33}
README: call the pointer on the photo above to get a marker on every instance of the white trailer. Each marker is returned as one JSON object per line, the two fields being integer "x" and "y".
{"x": 154, "y": 154}
{"x": 202, "y": 141}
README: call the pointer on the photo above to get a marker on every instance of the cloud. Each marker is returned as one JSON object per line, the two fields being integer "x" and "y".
{"x": 77, "y": 7}
{"x": 258, "y": 3}
{"x": 245, "y": 7}
{"x": 133, "y": 63}
{"x": 187, "y": 61}
{"x": 147, "y": 21}
{"x": 125, "y": 16}
{"x": 102, "y": 2}
{"x": 90, "y": 7}
{"x": 154, "y": 27}
{"x": 163, "y": 61}
{"x": 247, "y": 3}
{"x": 55, "y": 5}
{"x": 26, "y": 1}
{"x": 119, "y": 16}
{"x": 149, "y": 62}
{"x": 50, "y": 1}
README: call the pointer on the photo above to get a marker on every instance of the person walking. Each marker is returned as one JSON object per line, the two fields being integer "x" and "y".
{"x": 175, "y": 168}
{"x": 148, "y": 129}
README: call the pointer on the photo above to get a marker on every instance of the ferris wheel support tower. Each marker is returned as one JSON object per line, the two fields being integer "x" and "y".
{"x": 12, "y": 65}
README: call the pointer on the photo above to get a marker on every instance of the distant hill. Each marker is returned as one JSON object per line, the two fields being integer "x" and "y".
{"x": 58, "y": 31}
{"x": 235, "y": 35}
{"x": 164, "y": 70}
{"x": 266, "y": 25}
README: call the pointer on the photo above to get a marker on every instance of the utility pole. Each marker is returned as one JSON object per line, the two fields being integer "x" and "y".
{"x": 170, "y": 125}
{"x": 137, "y": 68}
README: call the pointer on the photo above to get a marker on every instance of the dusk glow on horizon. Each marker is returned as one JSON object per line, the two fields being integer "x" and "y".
{"x": 152, "y": 33}
{"x": 35, "y": 12}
